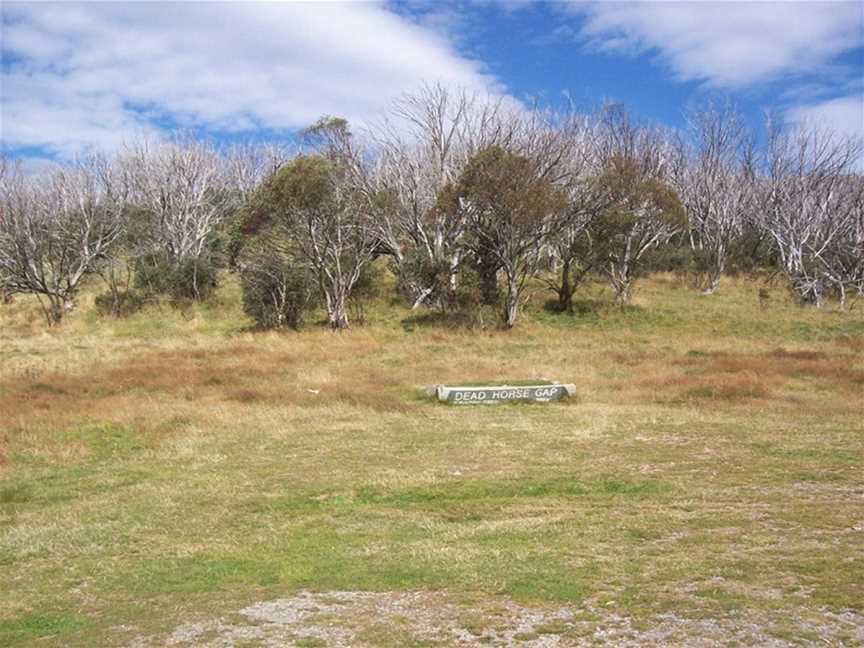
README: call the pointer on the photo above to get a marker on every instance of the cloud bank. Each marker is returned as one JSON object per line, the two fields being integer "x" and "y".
{"x": 845, "y": 115}
{"x": 734, "y": 46}
{"x": 728, "y": 44}
{"x": 76, "y": 76}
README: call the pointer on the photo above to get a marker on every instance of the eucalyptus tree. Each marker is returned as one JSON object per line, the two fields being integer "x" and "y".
{"x": 572, "y": 248}
{"x": 643, "y": 211}
{"x": 810, "y": 200}
{"x": 424, "y": 143}
{"x": 6, "y": 169}
{"x": 512, "y": 206}
{"x": 842, "y": 262}
{"x": 316, "y": 211}
{"x": 181, "y": 191}
{"x": 715, "y": 184}
{"x": 57, "y": 229}
{"x": 248, "y": 164}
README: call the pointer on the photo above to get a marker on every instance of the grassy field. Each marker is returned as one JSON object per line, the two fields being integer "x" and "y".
{"x": 177, "y": 479}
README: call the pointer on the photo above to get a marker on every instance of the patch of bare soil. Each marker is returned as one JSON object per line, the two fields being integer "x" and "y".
{"x": 367, "y": 619}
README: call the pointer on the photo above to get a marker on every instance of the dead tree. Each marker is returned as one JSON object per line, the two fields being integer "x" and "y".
{"x": 843, "y": 261}
{"x": 572, "y": 247}
{"x": 714, "y": 183}
{"x": 810, "y": 205}
{"x": 182, "y": 186}
{"x": 56, "y": 230}
{"x": 247, "y": 165}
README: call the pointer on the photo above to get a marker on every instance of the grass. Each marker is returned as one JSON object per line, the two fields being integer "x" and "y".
{"x": 177, "y": 466}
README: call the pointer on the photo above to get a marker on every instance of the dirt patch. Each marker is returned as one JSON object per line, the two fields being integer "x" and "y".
{"x": 361, "y": 619}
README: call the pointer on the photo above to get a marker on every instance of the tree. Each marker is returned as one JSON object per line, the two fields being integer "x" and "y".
{"x": 511, "y": 209}
{"x": 425, "y": 142}
{"x": 810, "y": 205}
{"x": 572, "y": 249}
{"x": 714, "y": 183}
{"x": 644, "y": 211}
{"x": 311, "y": 204}
{"x": 845, "y": 263}
{"x": 246, "y": 165}
{"x": 182, "y": 192}
{"x": 277, "y": 289}
{"x": 56, "y": 230}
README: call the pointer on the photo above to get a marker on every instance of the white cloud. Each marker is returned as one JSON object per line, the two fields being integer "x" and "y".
{"x": 93, "y": 74}
{"x": 844, "y": 115}
{"x": 728, "y": 44}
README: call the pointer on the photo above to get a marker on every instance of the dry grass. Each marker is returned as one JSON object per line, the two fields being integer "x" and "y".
{"x": 175, "y": 468}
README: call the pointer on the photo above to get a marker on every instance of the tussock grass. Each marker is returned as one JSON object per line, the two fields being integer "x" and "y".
{"x": 178, "y": 466}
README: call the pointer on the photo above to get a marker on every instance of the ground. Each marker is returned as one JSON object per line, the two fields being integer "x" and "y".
{"x": 177, "y": 478}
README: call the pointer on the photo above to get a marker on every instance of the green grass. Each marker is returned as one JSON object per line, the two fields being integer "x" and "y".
{"x": 176, "y": 467}
{"x": 41, "y": 627}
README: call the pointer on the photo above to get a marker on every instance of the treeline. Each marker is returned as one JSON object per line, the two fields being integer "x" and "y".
{"x": 468, "y": 197}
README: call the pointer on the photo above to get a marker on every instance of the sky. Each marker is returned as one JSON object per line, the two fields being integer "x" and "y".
{"x": 80, "y": 77}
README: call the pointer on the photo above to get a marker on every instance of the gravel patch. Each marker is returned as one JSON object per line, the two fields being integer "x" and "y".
{"x": 367, "y": 619}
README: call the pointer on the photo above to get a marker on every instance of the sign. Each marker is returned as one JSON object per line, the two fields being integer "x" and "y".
{"x": 502, "y": 393}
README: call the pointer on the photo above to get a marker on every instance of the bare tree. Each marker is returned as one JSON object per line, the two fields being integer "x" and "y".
{"x": 843, "y": 261}
{"x": 6, "y": 169}
{"x": 182, "y": 185}
{"x": 810, "y": 205}
{"x": 714, "y": 183}
{"x": 572, "y": 248}
{"x": 248, "y": 164}
{"x": 56, "y": 230}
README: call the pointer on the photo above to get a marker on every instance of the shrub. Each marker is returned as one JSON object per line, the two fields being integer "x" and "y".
{"x": 119, "y": 304}
{"x": 421, "y": 278}
{"x": 464, "y": 305}
{"x": 192, "y": 278}
{"x": 276, "y": 292}
{"x": 367, "y": 287}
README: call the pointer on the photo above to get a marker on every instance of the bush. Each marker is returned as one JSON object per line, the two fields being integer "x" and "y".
{"x": 276, "y": 292}
{"x": 181, "y": 279}
{"x": 417, "y": 273}
{"x": 465, "y": 306}
{"x": 368, "y": 287}
{"x": 120, "y": 304}
{"x": 678, "y": 259}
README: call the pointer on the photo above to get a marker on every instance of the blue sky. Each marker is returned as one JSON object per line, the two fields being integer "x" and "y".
{"x": 82, "y": 76}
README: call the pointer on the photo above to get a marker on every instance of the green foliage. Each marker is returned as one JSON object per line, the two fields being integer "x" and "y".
{"x": 635, "y": 196}
{"x": 679, "y": 258}
{"x": 302, "y": 185}
{"x": 505, "y": 188}
{"x": 189, "y": 278}
{"x": 752, "y": 252}
{"x": 326, "y": 130}
{"x": 466, "y": 305}
{"x": 277, "y": 292}
{"x": 417, "y": 271}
